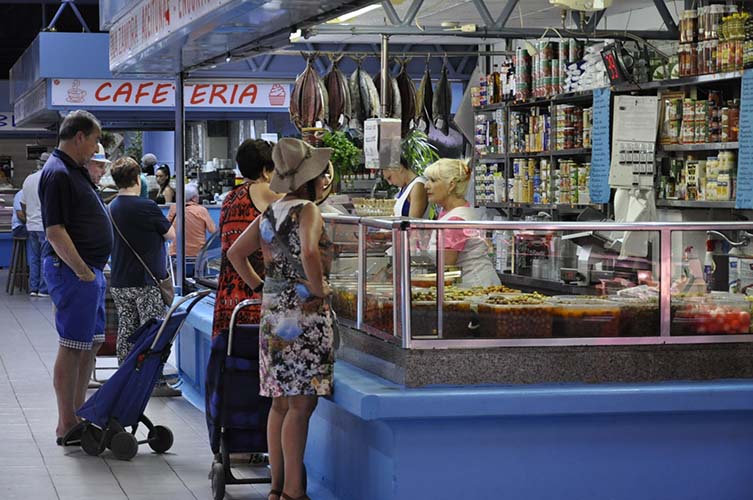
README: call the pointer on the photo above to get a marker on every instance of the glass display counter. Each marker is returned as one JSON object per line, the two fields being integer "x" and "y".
{"x": 562, "y": 284}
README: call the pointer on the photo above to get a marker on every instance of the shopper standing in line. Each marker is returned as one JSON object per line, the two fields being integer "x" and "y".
{"x": 33, "y": 209}
{"x": 148, "y": 162}
{"x": 296, "y": 357}
{"x": 240, "y": 208}
{"x": 140, "y": 228}
{"x": 79, "y": 241}
{"x": 198, "y": 224}
{"x": 18, "y": 217}
{"x": 166, "y": 193}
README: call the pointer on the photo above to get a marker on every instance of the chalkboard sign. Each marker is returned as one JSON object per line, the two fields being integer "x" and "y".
{"x": 600, "y": 157}
{"x": 744, "y": 198}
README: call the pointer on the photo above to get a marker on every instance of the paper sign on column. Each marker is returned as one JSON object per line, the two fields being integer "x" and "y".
{"x": 636, "y": 119}
{"x": 744, "y": 199}
{"x": 598, "y": 183}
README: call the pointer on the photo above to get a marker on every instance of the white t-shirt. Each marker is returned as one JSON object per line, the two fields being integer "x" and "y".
{"x": 31, "y": 200}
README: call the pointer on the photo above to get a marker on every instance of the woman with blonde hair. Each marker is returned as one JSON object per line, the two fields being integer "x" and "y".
{"x": 447, "y": 182}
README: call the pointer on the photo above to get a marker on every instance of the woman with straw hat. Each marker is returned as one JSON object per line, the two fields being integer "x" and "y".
{"x": 296, "y": 356}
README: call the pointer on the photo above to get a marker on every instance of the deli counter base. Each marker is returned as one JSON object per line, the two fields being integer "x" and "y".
{"x": 378, "y": 440}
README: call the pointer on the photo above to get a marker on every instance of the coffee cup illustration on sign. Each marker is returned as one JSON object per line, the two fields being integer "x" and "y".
{"x": 75, "y": 94}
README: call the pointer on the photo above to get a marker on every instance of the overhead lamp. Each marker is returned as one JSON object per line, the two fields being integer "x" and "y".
{"x": 354, "y": 14}
{"x": 582, "y": 5}
{"x": 228, "y": 58}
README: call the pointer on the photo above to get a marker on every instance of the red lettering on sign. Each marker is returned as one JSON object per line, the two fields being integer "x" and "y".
{"x": 197, "y": 97}
{"x": 217, "y": 91}
{"x": 249, "y": 91}
{"x": 98, "y": 95}
{"x": 235, "y": 92}
{"x": 160, "y": 92}
{"x": 124, "y": 90}
{"x": 141, "y": 93}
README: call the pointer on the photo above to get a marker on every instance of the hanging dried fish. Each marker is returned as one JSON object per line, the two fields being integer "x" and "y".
{"x": 338, "y": 92}
{"x": 308, "y": 102}
{"x": 443, "y": 103}
{"x": 392, "y": 99}
{"x": 407, "y": 98}
{"x": 425, "y": 101}
{"x": 364, "y": 97}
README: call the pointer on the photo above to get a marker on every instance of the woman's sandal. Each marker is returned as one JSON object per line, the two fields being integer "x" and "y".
{"x": 276, "y": 493}
{"x": 288, "y": 497}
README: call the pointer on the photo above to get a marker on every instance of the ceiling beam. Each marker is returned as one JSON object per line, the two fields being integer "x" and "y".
{"x": 392, "y": 14}
{"x": 481, "y": 32}
{"x": 483, "y": 11}
{"x": 506, "y": 13}
{"x": 410, "y": 16}
{"x": 669, "y": 22}
{"x": 595, "y": 19}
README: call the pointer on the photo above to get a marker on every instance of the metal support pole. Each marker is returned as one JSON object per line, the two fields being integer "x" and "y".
{"x": 397, "y": 283}
{"x": 405, "y": 303}
{"x": 440, "y": 283}
{"x": 361, "y": 278}
{"x": 506, "y": 13}
{"x": 483, "y": 11}
{"x": 385, "y": 66}
{"x": 665, "y": 275}
{"x": 392, "y": 14}
{"x": 410, "y": 16}
{"x": 180, "y": 186}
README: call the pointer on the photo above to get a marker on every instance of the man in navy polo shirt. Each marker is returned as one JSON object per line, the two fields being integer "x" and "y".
{"x": 79, "y": 241}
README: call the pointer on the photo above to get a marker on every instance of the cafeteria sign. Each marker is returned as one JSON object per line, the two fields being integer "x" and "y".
{"x": 236, "y": 94}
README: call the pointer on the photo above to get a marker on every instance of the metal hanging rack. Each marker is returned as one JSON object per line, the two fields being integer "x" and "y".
{"x": 408, "y": 54}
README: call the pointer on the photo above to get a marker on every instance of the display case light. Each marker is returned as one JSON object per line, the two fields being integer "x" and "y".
{"x": 582, "y": 5}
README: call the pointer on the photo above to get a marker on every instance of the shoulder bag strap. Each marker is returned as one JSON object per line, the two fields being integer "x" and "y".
{"x": 154, "y": 278}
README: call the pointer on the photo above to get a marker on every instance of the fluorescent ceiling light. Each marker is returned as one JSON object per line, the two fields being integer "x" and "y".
{"x": 295, "y": 36}
{"x": 354, "y": 14}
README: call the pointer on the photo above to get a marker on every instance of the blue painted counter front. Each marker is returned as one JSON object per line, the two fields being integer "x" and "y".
{"x": 375, "y": 440}
{"x": 6, "y": 249}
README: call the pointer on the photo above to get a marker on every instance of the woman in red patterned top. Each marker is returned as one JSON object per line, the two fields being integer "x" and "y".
{"x": 241, "y": 206}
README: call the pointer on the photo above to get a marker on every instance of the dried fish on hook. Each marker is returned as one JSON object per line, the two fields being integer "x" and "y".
{"x": 443, "y": 102}
{"x": 338, "y": 92}
{"x": 308, "y": 102}
{"x": 425, "y": 101}
{"x": 407, "y": 97}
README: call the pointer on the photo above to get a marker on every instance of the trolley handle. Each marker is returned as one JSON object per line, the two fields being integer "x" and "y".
{"x": 195, "y": 297}
{"x": 241, "y": 305}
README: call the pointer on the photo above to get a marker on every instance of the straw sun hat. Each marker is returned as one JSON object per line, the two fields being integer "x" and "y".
{"x": 296, "y": 163}
{"x": 99, "y": 156}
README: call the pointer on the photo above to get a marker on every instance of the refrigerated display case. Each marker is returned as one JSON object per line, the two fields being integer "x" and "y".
{"x": 388, "y": 285}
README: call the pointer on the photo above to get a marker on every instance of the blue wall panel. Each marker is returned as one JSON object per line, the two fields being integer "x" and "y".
{"x": 162, "y": 144}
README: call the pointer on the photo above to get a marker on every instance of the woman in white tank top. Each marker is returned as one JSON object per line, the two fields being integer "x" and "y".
{"x": 411, "y": 200}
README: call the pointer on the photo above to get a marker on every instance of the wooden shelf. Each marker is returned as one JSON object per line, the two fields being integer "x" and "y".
{"x": 700, "y": 204}
{"x": 679, "y": 82}
{"x": 711, "y": 146}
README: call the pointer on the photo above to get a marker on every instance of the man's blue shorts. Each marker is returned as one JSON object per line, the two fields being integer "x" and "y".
{"x": 79, "y": 305}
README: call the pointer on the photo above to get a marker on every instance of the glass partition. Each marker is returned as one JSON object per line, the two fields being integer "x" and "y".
{"x": 208, "y": 262}
{"x": 344, "y": 273}
{"x": 431, "y": 284}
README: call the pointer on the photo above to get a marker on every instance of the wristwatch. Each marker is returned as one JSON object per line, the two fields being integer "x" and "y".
{"x": 259, "y": 288}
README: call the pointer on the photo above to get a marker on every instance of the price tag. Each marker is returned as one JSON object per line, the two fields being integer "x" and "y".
{"x": 600, "y": 156}
{"x": 744, "y": 199}
{"x": 371, "y": 143}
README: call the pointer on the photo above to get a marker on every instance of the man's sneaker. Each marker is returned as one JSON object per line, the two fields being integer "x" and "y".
{"x": 42, "y": 294}
{"x": 33, "y": 294}
{"x": 165, "y": 391}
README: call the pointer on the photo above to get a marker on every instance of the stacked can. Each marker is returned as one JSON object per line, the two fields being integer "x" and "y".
{"x": 522, "y": 74}
{"x": 588, "y": 118}
{"x": 518, "y": 131}
{"x": 584, "y": 174}
{"x": 687, "y": 130}
{"x": 481, "y": 134}
{"x": 483, "y": 91}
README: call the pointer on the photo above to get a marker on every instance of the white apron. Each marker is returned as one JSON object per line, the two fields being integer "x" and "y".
{"x": 473, "y": 260}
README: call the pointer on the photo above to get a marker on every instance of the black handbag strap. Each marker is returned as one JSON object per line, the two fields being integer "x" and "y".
{"x": 112, "y": 219}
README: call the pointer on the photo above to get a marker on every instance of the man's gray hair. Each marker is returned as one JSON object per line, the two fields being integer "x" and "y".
{"x": 148, "y": 160}
{"x": 191, "y": 191}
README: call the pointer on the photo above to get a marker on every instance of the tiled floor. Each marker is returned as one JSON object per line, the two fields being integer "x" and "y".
{"x": 33, "y": 467}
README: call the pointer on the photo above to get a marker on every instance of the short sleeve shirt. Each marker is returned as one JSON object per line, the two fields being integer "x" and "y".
{"x": 69, "y": 198}
{"x": 143, "y": 225}
{"x": 15, "y": 221}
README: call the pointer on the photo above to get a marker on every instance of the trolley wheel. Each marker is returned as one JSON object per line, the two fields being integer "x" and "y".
{"x": 160, "y": 438}
{"x": 218, "y": 481}
{"x": 91, "y": 440}
{"x": 124, "y": 445}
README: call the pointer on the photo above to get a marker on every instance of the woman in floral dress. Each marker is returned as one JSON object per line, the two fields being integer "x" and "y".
{"x": 296, "y": 353}
{"x": 241, "y": 207}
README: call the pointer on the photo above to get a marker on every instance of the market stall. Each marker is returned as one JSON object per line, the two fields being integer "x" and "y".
{"x": 610, "y": 339}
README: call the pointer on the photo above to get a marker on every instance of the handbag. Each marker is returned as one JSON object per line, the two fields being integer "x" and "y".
{"x": 165, "y": 285}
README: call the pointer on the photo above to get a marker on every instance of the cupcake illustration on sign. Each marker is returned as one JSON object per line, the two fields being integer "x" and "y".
{"x": 75, "y": 94}
{"x": 277, "y": 95}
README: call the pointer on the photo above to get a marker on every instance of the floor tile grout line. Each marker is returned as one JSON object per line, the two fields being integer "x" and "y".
{"x": 33, "y": 437}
